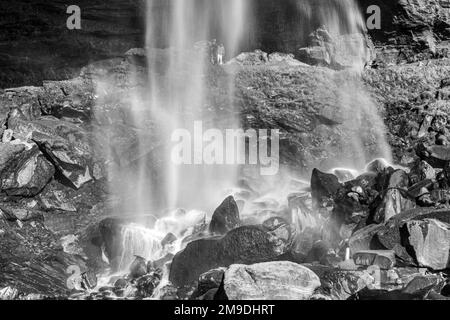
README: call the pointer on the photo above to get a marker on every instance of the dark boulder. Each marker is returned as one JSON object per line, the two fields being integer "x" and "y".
{"x": 225, "y": 217}
{"x": 246, "y": 245}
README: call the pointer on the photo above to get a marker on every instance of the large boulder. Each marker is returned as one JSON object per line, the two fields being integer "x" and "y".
{"x": 281, "y": 280}
{"x": 430, "y": 240}
{"x": 337, "y": 51}
{"x": 244, "y": 245}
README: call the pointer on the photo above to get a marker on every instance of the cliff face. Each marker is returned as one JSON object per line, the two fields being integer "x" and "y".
{"x": 411, "y": 30}
{"x": 36, "y": 45}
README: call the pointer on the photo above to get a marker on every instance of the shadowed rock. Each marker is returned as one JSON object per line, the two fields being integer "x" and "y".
{"x": 225, "y": 217}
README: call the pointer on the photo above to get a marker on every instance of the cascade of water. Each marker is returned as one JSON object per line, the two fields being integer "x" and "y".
{"x": 176, "y": 97}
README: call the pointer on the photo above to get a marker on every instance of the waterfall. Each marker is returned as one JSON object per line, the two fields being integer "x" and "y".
{"x": 176, "y": 99}
{"x": 178, "y": 65}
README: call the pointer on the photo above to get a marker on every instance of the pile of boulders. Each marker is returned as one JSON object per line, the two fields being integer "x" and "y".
{"x": 382, "y": 234}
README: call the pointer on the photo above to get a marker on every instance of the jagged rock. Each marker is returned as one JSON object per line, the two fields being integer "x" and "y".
{"x": 225, "y": 217}
{"x": 56, "y": 197}
{"x": 71, "y": 245}
{"x": 423, "y": 283}
{"x": 416, "y": 190}
{"x": 323, "y": 187}
{"x": 270, "y": 281}
{"x": 24, "y": 171}
{"x": 247, "y": 244}
{"x": 384, "y": 259}
{"x": 431, "y": 242}
{"x": 66, "y": 144}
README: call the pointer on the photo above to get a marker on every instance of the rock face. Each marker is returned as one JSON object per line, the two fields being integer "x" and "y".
{"x": 36, "y": 45}
{"x": 225, "y": 217}
{"x": 431, "y": 242}
{"x": 270, "y": 281}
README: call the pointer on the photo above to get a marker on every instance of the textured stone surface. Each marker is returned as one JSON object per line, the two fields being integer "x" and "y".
{"x": 431, "y": 242}
{"x": 248, "y": 244}
{"x": 270, "y": 281}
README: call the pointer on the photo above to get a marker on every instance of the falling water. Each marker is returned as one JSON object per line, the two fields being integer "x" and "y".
{"x": 176, "y": 97}
{"x": 178, "y": 64}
